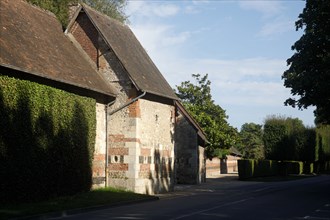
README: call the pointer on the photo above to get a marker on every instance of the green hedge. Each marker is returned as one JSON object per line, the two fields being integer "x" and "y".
{"x": 245, "y": 169}
{"x": 262, "y": 168}
{"x": 47, "y": 141}
{"x": 291, "y": 167}
{"x": 257, "y": 168}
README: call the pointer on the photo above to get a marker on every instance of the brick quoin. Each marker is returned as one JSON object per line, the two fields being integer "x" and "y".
{"x": 87, "y": 36}
{"x": 118, "y": 167}
{"x": 134, "y": 110}
{"x": 145, "y": 152}
{"x": 99, "y": 157}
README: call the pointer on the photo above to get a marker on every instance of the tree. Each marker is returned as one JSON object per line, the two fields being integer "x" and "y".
{"x": 212, "y": 118}
{"x": 59, "y": 7}
{"x": 309, "y": 74}
{"x": 284, "y": 138}
{"x": 112, "y": 8}
{"x": 251, "y": 144}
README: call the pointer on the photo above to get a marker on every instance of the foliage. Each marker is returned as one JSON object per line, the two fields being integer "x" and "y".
{"x": 309, "y": 75}
{"x": 112, "y": 8}
{"x": 249, "y": 168}
{"x": 322, "y": 150}
{"x": 211, "y": 117}
{"x": 47, "y": 141}
{"x": 251, "y": 143}
{"x": 291, "y": 167}
{"x": 286, "y": 139}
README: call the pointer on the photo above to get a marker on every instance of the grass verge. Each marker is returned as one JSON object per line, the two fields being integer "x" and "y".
{"x": 94, "y": 198}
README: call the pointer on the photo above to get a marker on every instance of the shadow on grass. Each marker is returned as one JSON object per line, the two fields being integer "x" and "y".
{"x": 95, "y": 198}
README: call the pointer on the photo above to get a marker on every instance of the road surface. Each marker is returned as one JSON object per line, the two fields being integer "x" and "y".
{"x": 228, "y": 198}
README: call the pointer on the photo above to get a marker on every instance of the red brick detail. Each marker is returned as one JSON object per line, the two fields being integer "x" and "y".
{"x": 145, "y": 152}
{"x": 98, "y": 165}
{"x": 166, "y": 153}
{"x": 134, "y": 109}
{"x": 117, "y": 138}
{"x": 99, "y": 157}
{"x": 118, "y": 151}
{"x": 118, "y": 166}
{"x": 145, "y": 167}
{"x": 87, "y": 36}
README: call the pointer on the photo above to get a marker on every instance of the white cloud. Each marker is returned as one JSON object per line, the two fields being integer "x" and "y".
{"x": 146, "y": 9}
{"x": 276, "y": 27}
{"x": 267, "y": 8}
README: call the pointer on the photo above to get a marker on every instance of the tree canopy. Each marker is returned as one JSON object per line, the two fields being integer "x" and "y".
{"x": 251, "y": 143}
{"x": 308, "y": 75}
{"x": 113, "y": 8}
{"x": 197, "y": 99}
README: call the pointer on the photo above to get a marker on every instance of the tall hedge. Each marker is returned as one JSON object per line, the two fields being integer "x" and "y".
{"x": 288, "y": 139}
{"x": 47, "y": 140}
{"x": 323, "y": 143}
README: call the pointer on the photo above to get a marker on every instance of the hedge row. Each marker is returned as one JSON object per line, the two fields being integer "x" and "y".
{"x": 262, "y": 168}
{"x": 47, "y": 139}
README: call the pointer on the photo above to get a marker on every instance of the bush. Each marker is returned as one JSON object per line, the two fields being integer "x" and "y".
{"x": 265, "y": 168}
{"x": 323, "y": 143}
{"x": 245, "y": 169}
{"x": 46, "y": 141}
{"x": 291, "y": 167}
{"x": 257, "y": 168}
{"x": 308, "y": 168}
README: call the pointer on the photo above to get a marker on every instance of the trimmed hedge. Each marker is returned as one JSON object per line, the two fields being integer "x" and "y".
{"x": 257, "y": 168}
{"x": 262, "y": 168}
{"x": 47, "y": 141}
{"x": 291, "y": 167}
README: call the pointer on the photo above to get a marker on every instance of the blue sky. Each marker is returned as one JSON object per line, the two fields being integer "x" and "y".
{"x": 242, "y": 45}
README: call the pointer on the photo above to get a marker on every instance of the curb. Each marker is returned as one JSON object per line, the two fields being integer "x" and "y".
{"x": 65, "y": 213}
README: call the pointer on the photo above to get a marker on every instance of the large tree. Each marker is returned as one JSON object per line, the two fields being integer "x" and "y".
{"x": 197, "y": 99}
{"x": 251, "y": 143}
{"x": 113, "y": 8}
{"x": 308, "y": 75}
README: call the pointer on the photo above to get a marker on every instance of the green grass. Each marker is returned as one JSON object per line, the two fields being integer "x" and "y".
{"x": 94, "y": 198}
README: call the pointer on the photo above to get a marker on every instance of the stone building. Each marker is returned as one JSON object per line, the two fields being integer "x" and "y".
{"x": 137, "y": 111}
{"x": 139, "y": 150}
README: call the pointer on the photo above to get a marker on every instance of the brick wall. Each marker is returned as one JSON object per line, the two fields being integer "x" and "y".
{"x": 87, "y": 36}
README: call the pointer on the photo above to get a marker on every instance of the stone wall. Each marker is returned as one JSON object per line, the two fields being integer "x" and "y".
{"x": 187, "y": 152}
{"x": 140, "y": 136}
{"x": 212, "y": 167}
{"x": 156, "y": 155}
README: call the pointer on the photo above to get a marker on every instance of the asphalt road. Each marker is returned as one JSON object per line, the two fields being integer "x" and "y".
{"x": 228, "y": 198}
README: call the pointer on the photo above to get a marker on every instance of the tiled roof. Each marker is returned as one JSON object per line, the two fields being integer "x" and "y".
{"x": 141, "y": 69}
{"x": 32, "y": 41}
